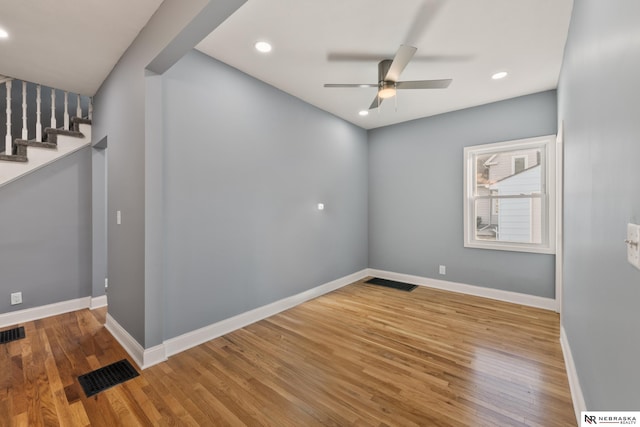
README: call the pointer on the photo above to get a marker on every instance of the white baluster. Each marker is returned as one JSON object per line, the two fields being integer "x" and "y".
{"x": 90, "y": 115}
{"x": 25, "y": 133}
{"x": 78, "y": 107}
{"x": 38, "y": 113}
{"x": 66, "y": 110}
{"x": 53, "y": 124}
{"x": 7, "y": 140}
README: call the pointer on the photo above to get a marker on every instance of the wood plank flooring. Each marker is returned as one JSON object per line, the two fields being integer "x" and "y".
{"x": 360, "y": 356}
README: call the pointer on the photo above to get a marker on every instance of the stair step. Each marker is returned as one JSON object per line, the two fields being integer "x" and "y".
{"x": 50, "y": 140}
{"x": 75, "y": 121}
{"x": 52, "y": 134}
{"x": 16, "y": 158}
{"x": 64, "y": 132}
{"x": 25, "y": 143}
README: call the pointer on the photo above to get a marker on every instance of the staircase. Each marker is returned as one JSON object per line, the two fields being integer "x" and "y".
{"x": 23, "y": 155}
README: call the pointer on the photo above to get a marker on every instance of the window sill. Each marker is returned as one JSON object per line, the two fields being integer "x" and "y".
{"x": 512, "y": 247}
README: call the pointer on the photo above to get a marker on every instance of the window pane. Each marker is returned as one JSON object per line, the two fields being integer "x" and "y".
{"x": 517, "y": 220}
{"x": 509, "y": 172}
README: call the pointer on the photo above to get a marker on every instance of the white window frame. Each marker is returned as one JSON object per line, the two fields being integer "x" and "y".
{"x": 547, "y": 145}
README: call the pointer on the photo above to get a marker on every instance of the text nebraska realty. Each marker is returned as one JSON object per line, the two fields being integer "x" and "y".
{"x": 616, "y": 420}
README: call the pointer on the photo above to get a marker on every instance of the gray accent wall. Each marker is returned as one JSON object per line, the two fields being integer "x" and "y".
{"x": 45, "y": 234}
{"x": 599, "y": 104}
{"x": 416, "y": 196}
{"x": 244, "y": 168}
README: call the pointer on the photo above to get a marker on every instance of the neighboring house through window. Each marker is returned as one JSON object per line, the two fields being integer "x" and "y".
{"x": 509, "y": 200}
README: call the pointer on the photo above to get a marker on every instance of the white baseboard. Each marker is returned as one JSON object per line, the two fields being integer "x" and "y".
{"x": 497, "y": 294}
{"x": 153, "y": 356}
{"x": 215, "y": 330}
{"x": 97, "y": 302}
{"x": 127, "y": 342}
{"x": 35, "y": 313}
{"x": 579, "y": 404}
{"x": 144, "y": 358}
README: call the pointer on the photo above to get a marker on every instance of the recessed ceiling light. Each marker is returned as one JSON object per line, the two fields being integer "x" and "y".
{"x": 364, "y": 113}
{"x": 500, "y": 75}
{"x": 3, "y": 33}
{"x": 263, "y": 47}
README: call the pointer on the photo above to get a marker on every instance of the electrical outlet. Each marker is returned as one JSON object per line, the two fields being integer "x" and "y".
{"x": 633, "y": 245}
{"x": 16, "y": 298}
{"x": 443, "y": 270}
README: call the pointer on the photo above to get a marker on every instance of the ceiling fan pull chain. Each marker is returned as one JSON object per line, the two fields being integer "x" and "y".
{"x": 395, "y": 99}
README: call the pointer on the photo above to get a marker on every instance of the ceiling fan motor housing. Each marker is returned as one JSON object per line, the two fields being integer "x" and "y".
{"x": 386, "y": 89}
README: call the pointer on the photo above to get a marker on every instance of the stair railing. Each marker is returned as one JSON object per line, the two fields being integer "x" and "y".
{"x": 28, "y": 115}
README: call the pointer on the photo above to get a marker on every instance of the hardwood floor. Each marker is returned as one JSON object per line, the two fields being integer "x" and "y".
{"x": 362, "y": 355}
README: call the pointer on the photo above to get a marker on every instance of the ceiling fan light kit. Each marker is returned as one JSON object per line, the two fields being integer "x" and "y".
{"x": 387, "y": 90}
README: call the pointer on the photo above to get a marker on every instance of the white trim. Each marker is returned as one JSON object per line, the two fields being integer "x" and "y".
{"x": 191, "y": 339}
{"x": 559, "y": 215}
{"x": 36, "y": 313}
{"x": 579, "y": 404}
{"x": 480, "y": 291}
{"x": 97, "y": 302}
{"x": 127, "y": 342}
{"x": 153, "y": 356}
{"x": 144, "y": 358}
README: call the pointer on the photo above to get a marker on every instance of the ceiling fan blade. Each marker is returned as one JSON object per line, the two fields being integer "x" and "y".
{"x": 424, "y": 84}
{"x": 376, "y": 103}
{"x": 423, "y": 17}
{"x": 377, "y": 57}
{"x": 350, "y": 85}
{"x": 356, "y": 56}
{"x": 400, "y": 61}
{"x": 442, "y": 58}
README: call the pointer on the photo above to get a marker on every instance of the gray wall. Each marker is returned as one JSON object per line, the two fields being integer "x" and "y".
{"x": 416, "y": 200}
{"x": 599, "y": 103}
{"x": 119, "y": 113}
{"x": 245, "y": 166}
{"x": 45, "y": 234}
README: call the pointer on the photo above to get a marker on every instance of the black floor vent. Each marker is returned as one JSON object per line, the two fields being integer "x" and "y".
{"x": 12, "y": 335}
{"x": 107, "y": 377}
{"x": 392, "y": 284}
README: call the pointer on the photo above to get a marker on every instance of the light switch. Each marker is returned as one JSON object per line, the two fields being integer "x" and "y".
{"x": 633, "y": 245}
{"x": 118, "y": 217}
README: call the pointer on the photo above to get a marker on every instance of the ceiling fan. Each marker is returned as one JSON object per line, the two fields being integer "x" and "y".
{"x": 389, "y": 78}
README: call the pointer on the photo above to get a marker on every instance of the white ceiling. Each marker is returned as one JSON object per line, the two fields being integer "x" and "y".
{"x": 69, "y": 44}
{"x": 467, "y": 40}
{"x": 74, "y": 44}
